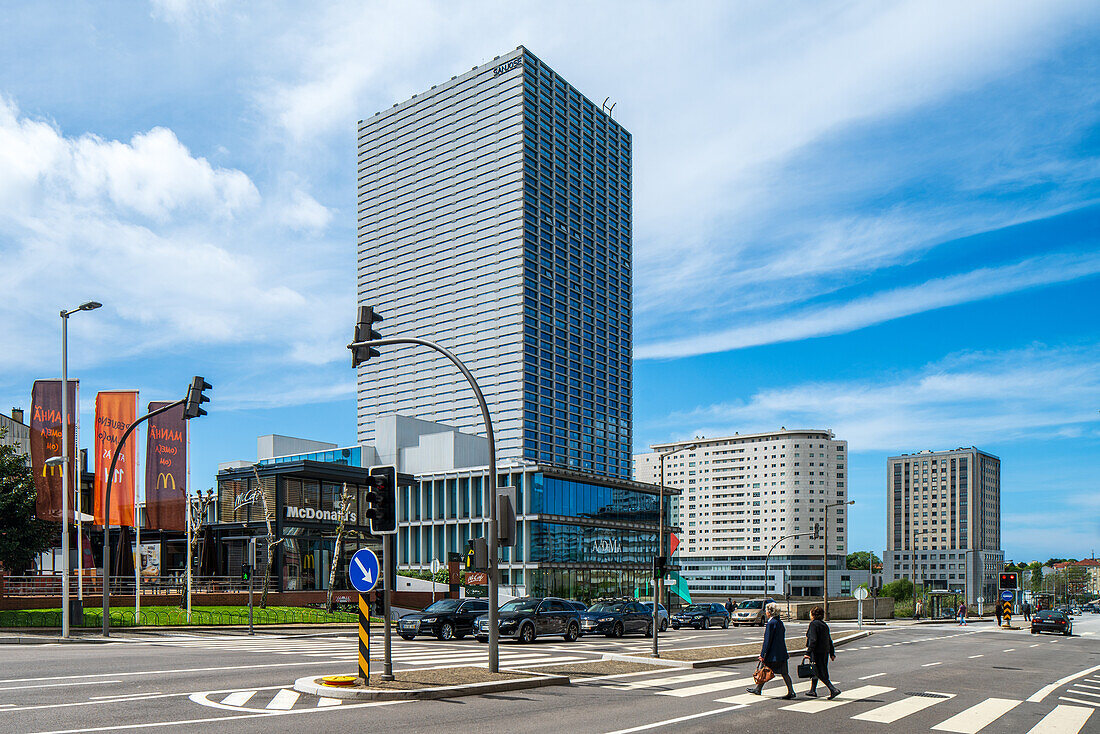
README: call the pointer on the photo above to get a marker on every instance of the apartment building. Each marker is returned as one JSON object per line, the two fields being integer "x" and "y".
{"x": 745, "y": 496}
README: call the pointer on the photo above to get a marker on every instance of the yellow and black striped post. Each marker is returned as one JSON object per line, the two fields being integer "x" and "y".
{"x": 364, "y": 638}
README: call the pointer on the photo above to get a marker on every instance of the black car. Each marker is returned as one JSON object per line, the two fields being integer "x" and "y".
{"x": 447, "y": 619}
{"x": 701, "y": 616}
{"x": 529, "y": 617}
{"x": 580, "y": 606}
{"x": 1051, "y": 620}
{"x": 616, "y": 618}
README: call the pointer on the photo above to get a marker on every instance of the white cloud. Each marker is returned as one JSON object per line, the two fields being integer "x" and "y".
{"x": 967, "y": 398}
{"x": 883, "y": 306}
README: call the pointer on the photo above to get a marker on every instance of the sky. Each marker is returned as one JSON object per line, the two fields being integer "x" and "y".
{"x": 878, "y": 218}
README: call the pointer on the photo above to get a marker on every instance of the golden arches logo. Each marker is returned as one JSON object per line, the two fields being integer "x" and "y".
{"x": 164, "y": 479}
{"x": 48, "y": 471}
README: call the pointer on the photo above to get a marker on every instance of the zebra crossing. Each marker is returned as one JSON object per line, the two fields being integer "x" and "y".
{"x": 263, "y": 700}
{"x": 880, "y": 704}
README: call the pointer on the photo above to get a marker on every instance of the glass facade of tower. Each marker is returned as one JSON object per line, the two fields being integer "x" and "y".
{"x": 577, "y": 278}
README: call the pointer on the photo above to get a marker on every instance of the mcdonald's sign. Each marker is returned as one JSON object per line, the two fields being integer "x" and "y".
{"x": 46, "y": 432}
{"x": 166, "y": 470}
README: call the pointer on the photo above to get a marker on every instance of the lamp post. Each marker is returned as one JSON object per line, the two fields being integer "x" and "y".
{"x": 913, "y": 561}
{"x": 825, "y": 557}
{"x": 768, "y": 557}
{"x": 661, "y": 541}
{"x": 66, "y": 459}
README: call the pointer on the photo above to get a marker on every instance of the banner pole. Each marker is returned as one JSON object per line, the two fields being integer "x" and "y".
{"x": 187, "y": 496}
{"x": 137, "y": 541}
{"x": 79, "y": 509}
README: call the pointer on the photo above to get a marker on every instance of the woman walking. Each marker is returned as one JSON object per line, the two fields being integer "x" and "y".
{"x": 820, "y": 650}
{"x": 773, "y": 653}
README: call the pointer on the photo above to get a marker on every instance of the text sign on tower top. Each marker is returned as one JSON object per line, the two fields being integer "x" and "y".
{"x": 363, "y": 570}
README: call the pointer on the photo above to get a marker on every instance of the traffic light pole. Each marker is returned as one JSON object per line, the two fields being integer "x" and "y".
{"x": 494, "y": 632}
{"x": 107, "y": 512}
{"x": 658, "y": 575}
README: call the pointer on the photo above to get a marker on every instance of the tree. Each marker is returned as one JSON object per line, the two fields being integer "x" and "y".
{"x": 858, "y": 561}
{"x": 899, "y": 590}
{"x": 22, "y": 535}
{"x": 1036, "y": 571}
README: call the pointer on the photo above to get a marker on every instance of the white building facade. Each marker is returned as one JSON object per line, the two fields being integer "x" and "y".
{"x": 745, "y": 495}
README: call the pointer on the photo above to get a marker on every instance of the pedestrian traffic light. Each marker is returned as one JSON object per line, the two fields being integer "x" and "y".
{"x": 1009, "y": 580}
{"x": 381, "y": 500}
{"x": 246, "y": 572}
{"x": 659, "y": 563}
{"x": 817, "y": 531}
{"x": 195, "y": 398}
{"x": 364, "y": 331}
{"x": 477, "y": 554}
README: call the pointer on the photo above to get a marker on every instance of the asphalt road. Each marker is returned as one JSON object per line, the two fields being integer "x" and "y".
{"x": 904, "y": 678}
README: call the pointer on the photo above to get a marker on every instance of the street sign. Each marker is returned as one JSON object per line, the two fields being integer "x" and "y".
{"x": 435, "y": 566}
{"x": 363, "y": 570}
{"x": 981, "y": 599}
{"x": 861, "y": 593}
{"x": 1007, "y": 595}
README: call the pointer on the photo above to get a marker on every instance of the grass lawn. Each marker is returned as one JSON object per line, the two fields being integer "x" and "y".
{"x": 168, "y": 616}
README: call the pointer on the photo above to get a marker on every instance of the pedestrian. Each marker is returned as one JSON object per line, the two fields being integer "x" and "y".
{"x": 773, "y": 653}
{"x": 962, "y": 614}
{"x": 997, "y": 611}
{"x": 729, "y": 604}
{"x": 918, "y": 608}
{"x": 1027, "y": 611}
{"x": 820, "y": 650}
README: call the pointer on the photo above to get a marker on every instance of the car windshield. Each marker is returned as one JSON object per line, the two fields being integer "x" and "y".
{"x": 1047, "y": 613}
{"x": 443, "y": 606}
{"x": 750, "y": 604}
{"x": 520, "y": 605}
{"x": 696, "y": 608}
{"x": 604, "y": 607}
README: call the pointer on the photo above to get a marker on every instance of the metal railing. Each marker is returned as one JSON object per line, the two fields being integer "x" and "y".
{"x": 170, "y": 616}
{"x": 50, "y": 585}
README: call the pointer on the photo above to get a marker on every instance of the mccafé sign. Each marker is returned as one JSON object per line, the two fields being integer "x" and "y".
{"x": 308, "y": 513}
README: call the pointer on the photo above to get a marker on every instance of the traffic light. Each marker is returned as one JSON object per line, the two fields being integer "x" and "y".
{"x": 246, "y": 572}
{"x": 817, "y": 531}
{"x": 382, "y": 500}
{"x": 194, "y": 400}
{"x": 364, "y": 332}
{"x": 659, "y": 566}
{"x": 1008, "y": 580}
{"x": 477, "y": 554}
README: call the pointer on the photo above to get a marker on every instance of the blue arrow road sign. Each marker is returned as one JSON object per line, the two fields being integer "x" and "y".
{"x": 1007, "y": 595}
{"x": 363, "y": 570}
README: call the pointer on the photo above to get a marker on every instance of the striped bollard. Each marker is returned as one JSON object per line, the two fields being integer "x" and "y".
{"x": 364, "y": 639}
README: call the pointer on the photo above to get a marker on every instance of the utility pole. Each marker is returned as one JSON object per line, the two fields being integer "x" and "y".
{"x": 658, "y": 574}
{"x": 825, "y": 557}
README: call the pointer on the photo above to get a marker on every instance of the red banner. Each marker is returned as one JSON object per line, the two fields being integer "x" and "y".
{"x": 115, "y": 411}
{"x": 166, "y": 470}
{"x": 45, "y": 428}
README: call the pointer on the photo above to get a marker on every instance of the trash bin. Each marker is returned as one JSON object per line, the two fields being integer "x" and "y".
{"x": 76, "y": 613}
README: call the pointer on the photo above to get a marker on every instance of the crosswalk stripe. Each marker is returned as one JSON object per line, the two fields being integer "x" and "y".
{"x": 323, "y": 701}
{"x": 240, "y": 698}
{"x": 284, "y": 700}
{"x": 978, "y": 716}
{"x": 707, "y": 688}
{"x": 1062, "y": 720}
{"x": 1077, "y": 700}
{"x": 824, "y": 704}
{"x": 1076, "y": 690}
{"x": 747, "y": 699}
{"x": 891, "y": 712}
{"x": 672, "y": 680}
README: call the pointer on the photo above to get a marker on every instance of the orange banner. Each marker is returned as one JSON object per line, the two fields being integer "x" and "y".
{"x": 115, "y": 411}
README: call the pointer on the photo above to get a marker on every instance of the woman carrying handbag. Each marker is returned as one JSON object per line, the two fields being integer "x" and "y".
{"x": 773, "y": 654}
{"x": 819, "y": 651}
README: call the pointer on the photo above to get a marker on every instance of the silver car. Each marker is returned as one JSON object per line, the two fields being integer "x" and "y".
{"x": 662, "y": 614}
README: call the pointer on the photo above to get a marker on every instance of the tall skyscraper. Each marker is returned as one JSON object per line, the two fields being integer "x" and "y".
{"x": 495, "y": 218}
{"x": 944, "y": 521}
{"x": 743, "y": 494}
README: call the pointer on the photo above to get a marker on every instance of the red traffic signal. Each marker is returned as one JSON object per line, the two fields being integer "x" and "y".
{"x": 1008, "y": 581}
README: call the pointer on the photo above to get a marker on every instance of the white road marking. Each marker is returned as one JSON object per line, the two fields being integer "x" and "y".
{"x": 666, "y": 722}
{"x": 707, "y": 688}
{"x": 1045, "y": 691}
{"x": 126, "y": 695}
{"x": 324, "y": 701}
{"x": 977, "y": 717}
{"x": 673, "y": 679}
{"x": 1082, "y": 685}
{"x": 1035, "y": 645}
{"x": 1078, "y": 692}
{"x": 61, "y": 685}
{"x": 891, "y": 712}
{"x": 971, "y": 657}
{"x": 824, "y": 704}
{"x": 1077, "y": 700}
{"x": 1062, "y": 720}
{"x": 775, "y": 694}
{"x": 929, "y": 665}
{"x": 1011, "y": 649}
{"x": 240, "y": 698}
{"x": 284, "y": 700}
{"x": 869, "y": 677}
{"x": 172, "y": 671}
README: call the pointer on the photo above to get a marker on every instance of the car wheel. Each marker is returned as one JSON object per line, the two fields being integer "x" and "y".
{"x": 573, "y": 633}
{"x": 406, "y": 637}
{"x": 482, "y": 640}
{"x": 527, "y": 634}
{"x": 459, "y": 635}
{"x": 1069, "y": 632}
{"x": 617, "y": 630}
{"x": 649, "y": 630}
{"x": 706, "y": 623}
{"x": 447, "y": 631}
{"x": 675, "y": 626}
{"x": 725, "y": 624}
{"x": 1034, "y": 631}
{"x": 664, "y": 625}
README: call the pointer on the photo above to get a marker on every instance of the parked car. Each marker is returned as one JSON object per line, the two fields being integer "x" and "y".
{"x": 447, "y": 619}
{"x": 1051, "y": 620}
{"x": 701, "y": 616}
{"x": 662, "y": 614}
{"x": 580, "y": 606}
{"x": 751, "y": 611}
{"x": 617, "y": 618}
{"x": 529, "y": 617}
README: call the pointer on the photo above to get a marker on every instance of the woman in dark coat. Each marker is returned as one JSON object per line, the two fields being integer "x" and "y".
{"x": 774, "y": 651}
{"x": 820, "y": 650}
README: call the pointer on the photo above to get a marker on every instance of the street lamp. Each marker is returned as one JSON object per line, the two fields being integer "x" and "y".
{"x": 661, "y": 540}
{"x": 66, "y": 459}
{"x": 768, "y": 557}
{"x": 825, "y": 557}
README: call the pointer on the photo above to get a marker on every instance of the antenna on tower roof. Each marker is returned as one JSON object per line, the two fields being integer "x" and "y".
{"x": 607, "y": 109}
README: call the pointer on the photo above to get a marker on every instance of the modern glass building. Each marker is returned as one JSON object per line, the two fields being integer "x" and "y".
{"x": 495, "y": 218}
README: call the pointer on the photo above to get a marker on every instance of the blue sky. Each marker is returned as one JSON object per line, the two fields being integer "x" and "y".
{"x": 880, "y": 218}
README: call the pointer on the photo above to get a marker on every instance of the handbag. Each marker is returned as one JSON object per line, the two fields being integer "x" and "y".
{"x": 806, "y": 668}
{"x": 763, "y": 674}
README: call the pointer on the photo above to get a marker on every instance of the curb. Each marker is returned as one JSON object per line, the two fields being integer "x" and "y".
{"x": 309, "y": 684}
{"x": 715, "y": 662}
{"x": 44, "y": 640}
